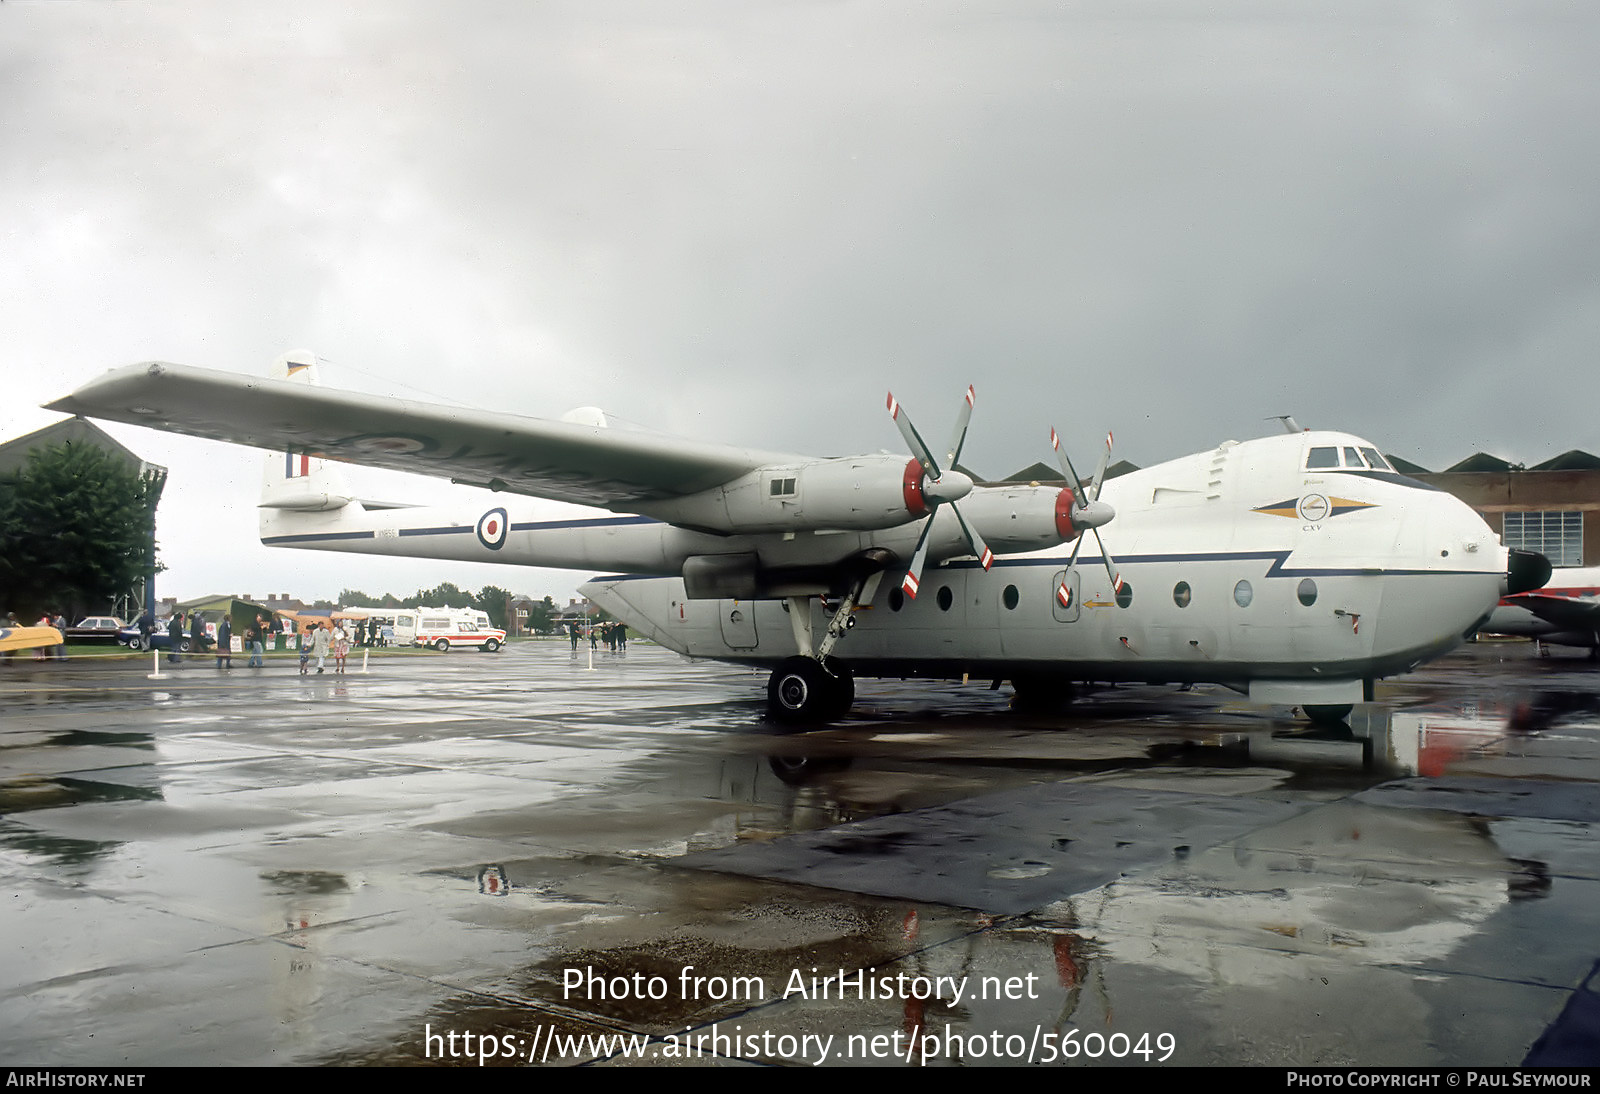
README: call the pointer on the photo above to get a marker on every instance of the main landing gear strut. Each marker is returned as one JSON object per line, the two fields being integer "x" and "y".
{"x": 808, "y": 688}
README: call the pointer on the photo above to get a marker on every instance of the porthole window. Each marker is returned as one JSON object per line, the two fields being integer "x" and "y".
{"x": 1181, "y": 594}
{"x": 946, "y": 598}
{"x": 1125, "y": 595}
{"x": 1009, "y": 597}
{"x": 1307, "y": 592}
{"x": 1242, "y": 594}
{"x": 897, "y": 599}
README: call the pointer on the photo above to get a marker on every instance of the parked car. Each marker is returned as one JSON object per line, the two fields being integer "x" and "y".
{"x": 158, "y": 640}
{"x": 96, "y": 628}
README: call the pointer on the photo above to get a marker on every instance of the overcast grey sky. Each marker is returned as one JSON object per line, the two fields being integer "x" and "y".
{"x": 746, "y": 221}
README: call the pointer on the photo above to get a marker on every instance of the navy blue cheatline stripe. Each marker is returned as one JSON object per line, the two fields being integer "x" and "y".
{"x": 537, "y": 526}
{"x": 527, "y": 526}
{"x": 1277, "y": 558}
{"x": 585, "y": 522}
{"x": 1386, "y": 476}
{"x": 1277, "y": 569}
{"x": 318, "y": 537}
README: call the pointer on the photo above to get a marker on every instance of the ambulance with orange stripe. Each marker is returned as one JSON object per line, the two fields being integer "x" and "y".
{"x": 449, "y": 628}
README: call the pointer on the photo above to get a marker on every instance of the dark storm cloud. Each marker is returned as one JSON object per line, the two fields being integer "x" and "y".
{"x": 747, "y": 222}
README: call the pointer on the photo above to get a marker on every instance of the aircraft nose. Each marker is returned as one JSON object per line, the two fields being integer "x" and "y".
{"x": 1526, "y": 571}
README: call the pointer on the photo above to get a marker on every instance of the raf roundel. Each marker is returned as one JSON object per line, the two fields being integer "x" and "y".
{"x": 386, "y": 444}
{"x": 492, "y": 529}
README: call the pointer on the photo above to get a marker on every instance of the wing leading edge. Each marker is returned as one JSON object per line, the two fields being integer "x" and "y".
{"x": 1572, "y": 613}
{"x": 590, "y": 465}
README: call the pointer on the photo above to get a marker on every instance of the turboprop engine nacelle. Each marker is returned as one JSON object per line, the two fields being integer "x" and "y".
{"x": 744, "y": 577}
{"x": 1011, "y": 519}
{"x": 855, "y": 493}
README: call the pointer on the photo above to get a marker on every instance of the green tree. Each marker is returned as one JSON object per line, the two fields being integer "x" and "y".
{"x": 77, "y": 528}
{"x": 542, "y": 616}
{"x": 494, "y": 602}
{"x": 446, "y": 595}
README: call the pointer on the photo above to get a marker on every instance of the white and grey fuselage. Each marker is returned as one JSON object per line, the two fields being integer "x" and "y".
{"x": 1257, "y": 564}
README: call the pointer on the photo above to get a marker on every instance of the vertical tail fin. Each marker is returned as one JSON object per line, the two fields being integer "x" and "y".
{"x": 298, "y": 478}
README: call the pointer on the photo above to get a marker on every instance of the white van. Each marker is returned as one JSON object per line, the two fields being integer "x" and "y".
{"x": 398, "y": 626}
{"x": 443, "y": 628}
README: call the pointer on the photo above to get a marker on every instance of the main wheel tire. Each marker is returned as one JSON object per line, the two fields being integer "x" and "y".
{"x": 841, "y": 685}
{"x": 136, "y": 644}
{"x": 443, "y": 645}
{"x": 491, "y": 645}
{"x": 798, "y": 691}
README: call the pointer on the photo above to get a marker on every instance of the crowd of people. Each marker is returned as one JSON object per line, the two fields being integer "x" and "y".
{"x": 614, "y": 635}
{"x": 188, "y": 632}
{"x": 41, "y": 653}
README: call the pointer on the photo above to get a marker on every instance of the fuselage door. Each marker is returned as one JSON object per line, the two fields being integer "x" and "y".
{"x": 738, "y": 619}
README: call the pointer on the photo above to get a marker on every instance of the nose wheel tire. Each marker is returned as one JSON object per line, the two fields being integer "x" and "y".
{"x": 801, "y": 691}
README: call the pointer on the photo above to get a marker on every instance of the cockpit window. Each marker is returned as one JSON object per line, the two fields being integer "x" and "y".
{"x": 1375, "y": 458}
{"x": 1354, "y": 458}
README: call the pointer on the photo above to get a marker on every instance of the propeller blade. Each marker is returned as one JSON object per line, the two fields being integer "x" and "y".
{"x": 1087, "y": 510}
{"x": 1066, "y": 464}
{"x": 1100, "y": 472}
{"x": 1087, "y": 515}
{"x": 1064, "y": 592}
{"x": 939, "y": 487}
{"x": 959, "y": 436}
{"x": 919, "y": 556}
{"x": 913, "y": 439}
{"x": 1111, "y": 571}
{"x": 979, "y": 548}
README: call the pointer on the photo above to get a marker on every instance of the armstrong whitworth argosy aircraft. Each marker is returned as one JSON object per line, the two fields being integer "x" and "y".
{"x": 1296, "y": 569}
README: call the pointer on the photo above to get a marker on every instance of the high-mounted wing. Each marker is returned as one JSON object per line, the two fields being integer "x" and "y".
{"x": 592, "y": 465}
{"x": 1569, "y": 613}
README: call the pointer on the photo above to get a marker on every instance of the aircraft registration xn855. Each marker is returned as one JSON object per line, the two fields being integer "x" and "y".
{"x": 1297, "y": 568}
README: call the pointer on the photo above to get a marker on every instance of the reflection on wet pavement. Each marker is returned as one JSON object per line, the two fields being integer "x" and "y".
{"x": 260, "y": 868}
